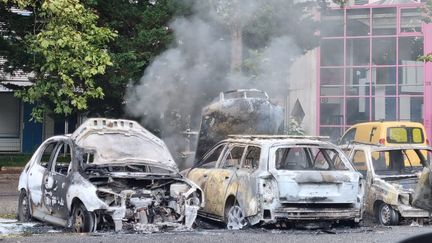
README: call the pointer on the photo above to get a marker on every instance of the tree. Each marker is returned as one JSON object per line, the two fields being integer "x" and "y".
{"x": 143, "y": 33}
{"x": 67, "y": 49}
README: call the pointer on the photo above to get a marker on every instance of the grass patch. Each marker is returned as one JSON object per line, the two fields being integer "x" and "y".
{"x": 14, "y": 159}
{"x": 8, "y": 216}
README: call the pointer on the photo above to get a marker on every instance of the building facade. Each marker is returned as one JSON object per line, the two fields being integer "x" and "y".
{"x": 369, "y": 68}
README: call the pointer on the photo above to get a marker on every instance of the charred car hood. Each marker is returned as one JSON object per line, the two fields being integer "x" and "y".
{"x": 122, "y": 141}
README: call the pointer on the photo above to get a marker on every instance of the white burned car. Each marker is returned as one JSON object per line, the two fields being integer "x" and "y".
{"x": 255, "y": 179}
{"x": 392, "y": 176}
{"x": 107, "y": 173}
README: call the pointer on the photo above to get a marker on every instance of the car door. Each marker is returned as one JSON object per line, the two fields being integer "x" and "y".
{"x": 200, "y": 173}
{"x": 55, "y": 185}
{"x": 361, "y": 164}
{"x": 247, "y": 191}
{"x": 36, "y": 177}
{"x": 221, "y": 177}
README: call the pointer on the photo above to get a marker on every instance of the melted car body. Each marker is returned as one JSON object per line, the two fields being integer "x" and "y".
{"x": 265, "y": 179}
{"x": 392, "y": 174}
{"x": 108, "y": 172}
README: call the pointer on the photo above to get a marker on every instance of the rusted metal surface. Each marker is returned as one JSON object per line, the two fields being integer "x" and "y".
{"x": 267, "y": 194}
{"x": 397, "y": 190}
{"x": 238, "y": 112}
{"x": 118, "y": 171}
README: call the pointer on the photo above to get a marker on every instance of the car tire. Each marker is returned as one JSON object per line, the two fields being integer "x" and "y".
{"x": 82, "y": 220}
{"x": 235, "y": 218}
{"x": 24, "y": 214}
{"x": 387, "y": 215}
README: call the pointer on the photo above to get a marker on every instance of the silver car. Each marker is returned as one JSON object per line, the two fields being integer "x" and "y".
{"x": 255, "y": 179}
{"x": 392, "y": 174}
{"x": 107, "y": 173}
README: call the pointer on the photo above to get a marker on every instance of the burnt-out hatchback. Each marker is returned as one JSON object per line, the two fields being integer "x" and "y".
{"x": 258, "y": 179}
{"x": 392, "y": 175}
{"x": 107, "y": 173}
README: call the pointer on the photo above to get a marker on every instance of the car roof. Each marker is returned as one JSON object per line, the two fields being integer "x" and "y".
{"x": 389, "y": 123}
{"x": 379, "y": 147}
{"x": 276, "y": 139}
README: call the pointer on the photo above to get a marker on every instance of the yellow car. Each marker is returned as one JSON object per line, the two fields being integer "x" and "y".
{"x": 387, "y": 133}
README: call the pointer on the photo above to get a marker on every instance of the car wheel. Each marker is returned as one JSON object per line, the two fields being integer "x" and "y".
{"x": 387, "y": 215}
{"x": 82, "y": 220}
{"x": 24, "y": 207}
{"x": 235, "y": 218}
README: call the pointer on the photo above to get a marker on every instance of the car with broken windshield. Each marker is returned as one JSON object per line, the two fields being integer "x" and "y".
{"x": 392, "y": 174}
{"x": 264, "y": 179}
{"x": 108, "y": 173}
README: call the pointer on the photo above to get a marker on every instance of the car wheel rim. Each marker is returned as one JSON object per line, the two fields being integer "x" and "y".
{"x": 25, "y": 208}
{"x": 385, "y": 214}
{"x": 78, "y": 220}
{"x": 236, "y": 218}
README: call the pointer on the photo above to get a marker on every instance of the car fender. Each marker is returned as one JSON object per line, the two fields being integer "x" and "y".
{"x": 80, "y": 188}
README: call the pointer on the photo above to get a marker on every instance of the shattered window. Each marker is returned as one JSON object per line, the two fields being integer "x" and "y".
{"x": 291, "y": 159}
{"x": 212, "y": 158}
{"x": 46, "y": 155}
{"x": 233, "y": 159}
{"x": 308, "y": 158}
{"x": 252, "y": 157}
{"x": 359, "y": 160}
{"x": 399, "y": 161}
{"x": 62, "y": 159}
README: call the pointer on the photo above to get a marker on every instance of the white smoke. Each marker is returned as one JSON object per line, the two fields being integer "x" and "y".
{"x": 187, "y": 76}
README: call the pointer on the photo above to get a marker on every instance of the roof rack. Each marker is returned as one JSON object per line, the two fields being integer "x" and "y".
{"x": 363, "y": 143}
{"x": 277, "y": 137}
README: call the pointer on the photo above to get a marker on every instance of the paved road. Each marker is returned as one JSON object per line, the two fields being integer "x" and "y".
{"x": 362, "y": 234}
{"x": 8, "y": 193}
{"x": 38, "y": 232}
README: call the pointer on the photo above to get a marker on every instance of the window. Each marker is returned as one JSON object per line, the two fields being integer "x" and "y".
{"x": 384, "y": 21}
{"x": 398, "y": 162}
{"x": 333, "y": 23}
{"x": 410, "y": 20}
{"x": 308, "y": 158}
{"x": 233, "y": 158}
{"x": 211, "y": 159}
{"x": 10, "y": 118}
{"x": 252, "y": 157}
{"x": 358, "y": 23}
{"x": 332, "y": 81}
{"x": 358, "y": 52}
{"x": 357, "y": 81}
{"x": 349, "y": 136}
{"x": 405, "y": 135}
{"x": 47, "y": 155}
{"x": 359, "y": 161}
{"x": 331, "y": 111}
{"x": 291, "y": 159}
{"x": 332, "y": 52}
{"x": 319, "y": 161}
{"x": 62, "y": 159}
{"x": 384, "y": 51}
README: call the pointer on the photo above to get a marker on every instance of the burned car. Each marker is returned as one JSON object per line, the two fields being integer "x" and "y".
{"x": 267, "y": 179}
{"x": 392, "y": 174}
{"x": 107, "y": 173}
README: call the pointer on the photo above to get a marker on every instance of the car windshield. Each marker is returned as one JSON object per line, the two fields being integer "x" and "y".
{"x": 112, "y": 147}
{"x": 399, "y": 161}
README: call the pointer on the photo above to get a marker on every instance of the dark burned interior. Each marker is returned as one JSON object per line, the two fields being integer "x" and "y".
{"x": 155, "y": 196}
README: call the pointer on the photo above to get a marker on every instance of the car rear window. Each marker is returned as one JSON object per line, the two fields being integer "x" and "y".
{"x": 405, "y": 135}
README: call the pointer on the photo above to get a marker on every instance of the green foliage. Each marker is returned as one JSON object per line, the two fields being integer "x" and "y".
{"x": 69, "y": 51}
{"x": 143, "y": 33}
{"x": 295, "y": 128}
